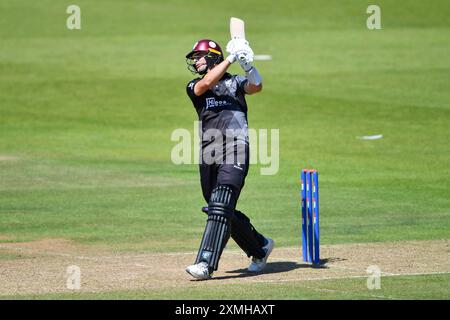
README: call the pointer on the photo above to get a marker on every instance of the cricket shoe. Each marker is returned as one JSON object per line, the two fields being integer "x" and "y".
{"x": 199, "y": 271}
{"x": 258, "y": 265}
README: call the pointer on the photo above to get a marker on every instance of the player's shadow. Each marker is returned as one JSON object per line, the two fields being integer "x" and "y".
{"x": 275, "y": 267}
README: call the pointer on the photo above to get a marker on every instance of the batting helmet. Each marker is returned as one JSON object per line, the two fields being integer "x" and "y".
{"x": 201, "y": 48}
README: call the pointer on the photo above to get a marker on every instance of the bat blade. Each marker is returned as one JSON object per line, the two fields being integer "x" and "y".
{"x": 237, "y": 28}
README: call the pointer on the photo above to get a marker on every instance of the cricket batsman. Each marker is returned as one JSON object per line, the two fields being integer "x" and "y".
{"x": 219, "y": 99}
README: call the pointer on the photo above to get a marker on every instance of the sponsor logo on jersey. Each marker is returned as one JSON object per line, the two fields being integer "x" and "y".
{"x": 212, "y": 103}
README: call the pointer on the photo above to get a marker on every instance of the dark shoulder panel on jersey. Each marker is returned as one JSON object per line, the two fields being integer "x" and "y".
{"x": 190, "y": 92}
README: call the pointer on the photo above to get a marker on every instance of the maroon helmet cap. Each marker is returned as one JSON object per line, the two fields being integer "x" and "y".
{"x": 205, "y": 45}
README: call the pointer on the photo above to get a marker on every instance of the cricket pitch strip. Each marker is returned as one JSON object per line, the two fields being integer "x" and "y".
{"x": 40, "y": 267}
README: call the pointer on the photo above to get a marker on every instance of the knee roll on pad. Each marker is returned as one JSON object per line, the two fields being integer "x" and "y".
{"x": 222, "y": 201}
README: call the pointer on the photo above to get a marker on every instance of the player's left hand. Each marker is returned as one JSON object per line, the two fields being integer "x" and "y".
{"x": 245, "y": 55}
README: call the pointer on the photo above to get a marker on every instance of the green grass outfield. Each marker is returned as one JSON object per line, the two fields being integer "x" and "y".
{"x": 86, "y": 118}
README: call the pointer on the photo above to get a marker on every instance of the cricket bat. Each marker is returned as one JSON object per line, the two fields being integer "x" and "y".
{"x": 237, "y": 28}
{"x": 237, "y": 31}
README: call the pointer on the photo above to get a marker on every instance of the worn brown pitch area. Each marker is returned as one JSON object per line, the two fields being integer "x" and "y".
{"x": 40, "y": 267}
